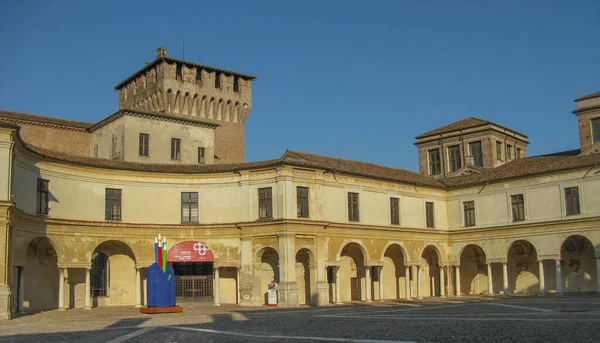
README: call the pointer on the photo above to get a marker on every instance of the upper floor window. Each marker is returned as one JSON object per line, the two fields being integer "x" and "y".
{"x": 42, "y": 196}
{"x": 179, "y": 72}
{"x": 265, "y": 203}
{"x": 454, "y": 158}
{"x": 518, "y": 153}
{"x": 201, "y": 152}
{"x": 395, "y": 211}
{"x": 353, "y": 207}
{"x": 429, "y": 215}
{"x": 217, "y": 79}
{"x": 508, "y": 152}
{"x": 99, "y": 275}
{"x": 112, "y": 204}
{"x": 144, "y": 147}
{"x": 572, "y": 200}
{"x": 595, "y": 130}
{"x": 499, "y": 151}
{"x": 469, "y": 209}
{"x": 189, "y": 207}
{"x": 518, "y": 207}
{"x": 175, "y": 149}
{"x": 302, "y": 202}
{"x": 236, "y": 83}
{"x": 434, "y": 162}
{"x": 198, "y": 74}
{"x": 114, "y": 150}
{"x": 477, "y": 153}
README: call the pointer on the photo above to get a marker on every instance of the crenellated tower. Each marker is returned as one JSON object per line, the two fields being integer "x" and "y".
{"x": 180, "y": 88}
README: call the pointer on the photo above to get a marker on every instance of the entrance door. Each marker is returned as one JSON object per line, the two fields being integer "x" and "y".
{"x": 353, "y": 289}
{"x": 193, "y": 281}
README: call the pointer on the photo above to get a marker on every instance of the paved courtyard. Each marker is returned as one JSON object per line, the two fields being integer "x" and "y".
{"x": 468, "y": 319}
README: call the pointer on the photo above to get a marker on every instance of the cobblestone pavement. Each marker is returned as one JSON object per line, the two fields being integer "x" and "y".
{"x": 467, "y": 319}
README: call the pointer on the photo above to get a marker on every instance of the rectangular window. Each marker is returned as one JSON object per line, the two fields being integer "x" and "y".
{"x": 395, "y": 211}
{"x": 175, "y": 149}
{"x": 572, "y": 200}
{"x": 469, "y": 209}
{"x": 189, "y": 207}
{"x": 454, "y": 158}
{"x": 179, "y": 72}
{"x": 508, "y": 152}
{"x": 595, "y": 130}
{"x": 353, "y": 207}
{"x": 518, "y": 207}
{"x": 114, "y": 148}
{"x": 434, "y": 162}
{"x": 302, "y": 202}
{"x": 477, "y": 153}
{"x": 144, "y": 141}
{"x": 217, "y": 79}
{"x": 518, "y": 153}
{"x": 42, "y": 196}
{"x": 198, "y": 74}
{"x": 265, "y": 203}
{"x": 499, "y": 151}
{"x": 201, "y": 155}
{"x": 429, "y": 214}
{"x": 113, "y": 204}
{"x": 236, "y": 83}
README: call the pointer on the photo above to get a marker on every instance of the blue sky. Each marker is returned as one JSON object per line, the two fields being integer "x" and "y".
{"x": 352, "y": 79}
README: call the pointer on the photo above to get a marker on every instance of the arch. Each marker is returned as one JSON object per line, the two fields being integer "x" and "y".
{"x": 159, "y": 100}
{"x": 236, "y": 112}
{"x": 41, "y": 263}
{"x": 473, "y": 270}
{"x": 185, "y": 107}
{"x": 353, "y": 257}
{"x": 229, "y": 111}
{"x": 522, "y": 267}
{"x": 267, "y": 270}
{"x": 350, "y": 241}
{"x": 202, "y": 108}
{"x": 195, "y": 103}
{"x": 304, "y": 275}
{"x": 219, "y": 112}
{"x": 170, "y": 99}
{"x": 120, "y": 273}
{"x": 211, "y": 108}
{"x": 245, "y": 112}
{"x": 579, "y": 272}
{"x": 431, "y": 282}
{"x": 400, "y": 245}
{"x": 434, "y": 248}
{"x": 394, "y": 258}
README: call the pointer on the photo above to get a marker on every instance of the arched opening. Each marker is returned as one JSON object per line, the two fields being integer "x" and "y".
{"x": 473, "y": 271}
{"x": 352, "y": 273}
{"x": 267, "y": 271}
{"x": 113, "y": 267}
{"x": 40, "y": 276}
{"x": 522, "y": 268}
{"x": 430, "y": 283}
{"x": 193, "y": 263}
{"x": 578, "y": 265}
{"x": 394, "y": 273}
{"x": 303, "y": 276}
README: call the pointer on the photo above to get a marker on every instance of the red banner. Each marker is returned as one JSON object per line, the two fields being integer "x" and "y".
{"x": 190, "y": 252}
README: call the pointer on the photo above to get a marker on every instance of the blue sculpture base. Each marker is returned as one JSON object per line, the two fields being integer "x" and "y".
{"x": 161, "y": 286}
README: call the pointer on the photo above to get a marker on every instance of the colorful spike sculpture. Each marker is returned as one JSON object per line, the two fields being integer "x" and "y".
{"x": 161, "y": 277}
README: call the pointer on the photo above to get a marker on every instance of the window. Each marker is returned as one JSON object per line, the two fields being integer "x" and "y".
{"x": 217, "y": 79}
{"x": 518, "y": 153}
{"x": 508, "y": 152}
{"x": 189, "y": 207}
{"x": 144, "y": 140}
{"x": 477, "y": 153}
{"x": 99, "y": 275}
{"x": 113, "y": 204}
{"x": 236, "y": 83}
{"x": 42, "y": 196}
{"x": 353, "y": 207}
{"x": 395, "y": 211}
{"x": 198, "y": 74}
{"x": 429, "y": 214}
{"x": 469, "y": 209}
{"x": 175, "y": 149}
{"x": 265, "y": 203}
{"x": 499, "y": 151}
{"x": 302, "y": 202}
{"x": 114, "y": 148}
{"x": 572, "y": 200}
{"x": 434, "y": 162}
{"x": 595, "y": 130}
{"x": 454, "y": 156}
{"x": 179, "y": 72}
{"x": 518, "y": 207}
{"x": 201, "y": 155}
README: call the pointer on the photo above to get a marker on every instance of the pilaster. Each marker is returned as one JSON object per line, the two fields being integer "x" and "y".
{"x": 246, "y": 281}
{"x": 288, "y": 287}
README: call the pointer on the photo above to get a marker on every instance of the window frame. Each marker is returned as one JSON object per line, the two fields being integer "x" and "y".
{"x": 302, "y": 201}
{"x": 179, "y": 72}
{"x": 394, "y": 211}
{"x": 429, "y": 214}
{"x": 236, "y": 83}
{"x": 595, "y": 135}
{"x": 517, "y": 153}
{"x": 520, "y": 206}
{"x": 175, "y": 149}
{"x": 217, "y": 80}
{"x": 110, "y": 202}
{"x": 144, "y": 145}
{"x": 188, "y": 200}
{"x": 201, "y": 155}
{"x": 265, "y": 203}
{"x": 469, "y": 213}
{"x": 572, "y": 199}
{"x": 499, "y": 151}
{"x": 353, "y": 209}
{"x": 478, "y": 157}
{"x": 509, "y": 155}
{"x": 434, "y": 164}
{"x": 41, "y": 200}
{"x": 100, "y": 290}
{"x": 454, "y": 160}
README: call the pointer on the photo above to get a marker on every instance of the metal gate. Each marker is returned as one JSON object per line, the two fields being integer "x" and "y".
{"x": 194, "y": 288}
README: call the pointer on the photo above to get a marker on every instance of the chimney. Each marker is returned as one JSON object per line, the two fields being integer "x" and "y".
{"x": 161, "y": 52}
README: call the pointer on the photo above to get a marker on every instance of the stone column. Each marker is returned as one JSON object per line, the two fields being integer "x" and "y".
{"x": 88, "y": 289}
{"x": 442, "y": 283}
{"x": 338, "y": 293}
{"x": 505, "y": 278}
{"x": 287, "y": 291}
{"x": 237, "y": 285}
{"x": 248, "y": 293}
{"x": 20, "y": 290}
{"x": 138, "y": 288}
{"x": 490, "y": 281}
{"x": 381, "y": 298}
{"x": 458, "y": 280}
{"x": 61, "y": 288}
{"x": 407, "y": 281}
{"x": 419, "y": 291}
{"x": 542, "y": 281}
{"x": 559, "y": 282}
{"x": 217, "y": 290}
{"x": 598, "y": 273}
{"x": 368, "y": 284}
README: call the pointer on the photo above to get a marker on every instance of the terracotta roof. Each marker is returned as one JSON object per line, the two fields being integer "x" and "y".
{"x": 152, "y": 115}
{"x": 462, "y": 124}
{"x": 589, "y": 96}
{"x": 14, "y": 117}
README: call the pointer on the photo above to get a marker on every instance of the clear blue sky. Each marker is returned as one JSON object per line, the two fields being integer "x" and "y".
{"x": 353, "y": 79}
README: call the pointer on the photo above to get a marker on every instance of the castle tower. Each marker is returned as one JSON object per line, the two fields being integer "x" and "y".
{"x": 185, "y": 89}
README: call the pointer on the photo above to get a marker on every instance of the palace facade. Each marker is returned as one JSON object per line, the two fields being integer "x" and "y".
{"x": 81, "y": 203}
